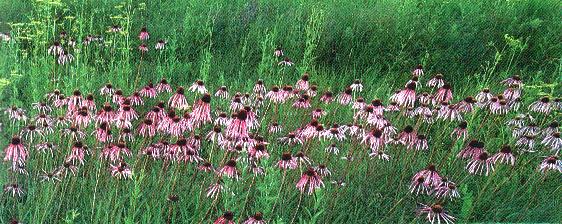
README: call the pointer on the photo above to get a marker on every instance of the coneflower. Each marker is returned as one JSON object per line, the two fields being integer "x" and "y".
{"x": 115, "y": 29}
{"x": 513, "y": 80}
{"x": 107, "y": 89}
{"x": 226, "y": 218}
{"x": 178, "y": 100}
{"x": 408, "y": 135}
{"x": 237, "y": 129}
{"x": 46, "y": 147}
{"x": 473, "y": 149}
{"x": 143, "y": 48}
{"x": 303, "y": 102}
{"x": 310, "y": 181}
{"x": 148, "y": 91}
{"x": 15, "y": 152}
{"x": 443, "y": 94}
{"x": 418, "y": 186}
{"x": 505, "y": 155}
{"x": 214, "y": 190}
{"x": 222, "y": 92}
{"x": 323, "y": 170}
{"x": 144, "y": 35}
{"x": 312, "y": 91}
{"x": 553, "y": 141}
{"x": 302, "y": 84}
{"x": 302, "y": 158}
{"x": 435, "y": 214}
{"x": 287, "y": 161}
{"x": 74, "y": 133}
{"x": 121, "y": 171}
{"x": 275, "y": 95}
{"x": 290, "y": 139}
{"x": 126, "y": 134}
{"x": 42, "y": 107}
{"x": 481, "y": 164}
{"x": 374, "y": 139}
{"x": 437, "y": 81}
{"x": 483, "y": 97}
{"x": 77, "y": 153}
{"x": 318, "y": 112}
{"x": 52, "y": 176}
{"x": 541, "y": 106}
{"x": 379, "y": 154}
{"x": 334, "y": 133}
{"x": 160, "y": 45}
{"x": 55, "y": 49}
{"x": 135, "y": 99}
{"x": 153, "y": 151}
{"x": 356, "y": 86}
{"x": 103, "y": 133}
{"x": 163, "y": 86}
{"x": 278, "y": 52}
{"x": 286, "y": 62}
{"x": 14, "y": 189}
{"x": 345, "y": 97}
{"x": 198, "y": 86}
{"x": 117, "y": 97}
{"x": 446, "y": 189}
{"x": 526, "y": 143}
{"x": 229, "y": 170}
{"x": 255, "y": 219}
{"x": 258, "y": 151}
{"x": 551, "y": 163}
{"x": 359, "y": 104}
{"x": 405, "y": 97}
{"x": 460, "y": 131}
{"x": 414, "y": 80}
{"x": 418, "y": 71}
{"x": 327, "y": 97}
{"x": 30, "y": 132}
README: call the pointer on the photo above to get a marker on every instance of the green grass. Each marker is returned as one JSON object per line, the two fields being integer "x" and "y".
{"x": 475, "y": 44}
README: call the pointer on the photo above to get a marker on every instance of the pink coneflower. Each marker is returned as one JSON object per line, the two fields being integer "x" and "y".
{"x": 226, "y": 218}
{"x": 65, "y": 58}
{"x": 359, "y": 104}
{"x": 550, "y": 129}
{"x": 551, "y": 163}
{"x": 498, "y": 106}
{"x": 135, "y": 99}
{"x": 303, "y": 102}
{"x": 466, "y": 105}
{"x": 332, "y": 149}
{"x": 160, "y": 45}
{"x": 42, "y": 107}
{"x": 345, "y": 97}
{"x": 312, "y": 91}
{"x": 222, "y": 119}
{"x": 448, "y": 112}
{"x": 405, "y": 97}
{"x": 152, "y": 150}
{"x": 68, "y": 168}
{"x": 55, "y": 49}
{"x": 334, "y": 133}
{"x": 542, "y": 106}
{"x": 356, "y": 86}
{"x": 322, "y": 170}
{"x": 255, "y": 219}
{"x": 75, "y": 100}
{"x": 505, "y": 155}
{"x": 14, "y": 189}
{"x": 178, "y": 100}
{"x": 530, "y": 129}
{"x": 126, "y": 112}
{"x": 106, "y": 114}
{"x": 15, "y": 152}
{"x": 121, "y": 171}
{"x": 229, "y": 170}
{"x": 481, "y": 164}
{"x": 103, "y": 133}
{"x": 143, "y": 48}
{"x": 30, "y": 132}
{"x": 430, "y": 175}
{"x": 258, "y": 151}
{"x": 115, "y": 152}
{"x": 107, "y": 89}
{"x": 202, "y": 110}
{"x": 163, "y": 86}
{"x": 553, "y": 141}
{"x": 147, "y": 128}
{"x": 443, "y": 94}
{"x": 236, "y": 104}
{"x": 222, "y": 92}
{"x": 436, "y": 81}
{"x": 206, "y": 167}
{"x": 374, "y": 139}
{"x": 318, "y": 112}
{"x": 413, "y": 80}
{"x": 379, "y": 154}
{"x": 214, "y": 190}
{"x": 286, "y": 62}
{"x": 418, "y": 71}
{"x": 259, "y": 88}
{"x": 215, "y": 135}
{"x": 148, "y": 91}
{"x": 82, "y": 117}
{"x": 310, "y": 180}
{"x": 290, "y": 139}
{"x": 74, "y": 133}
{"x": 144, "y": 35}
{"x": 460, "y": 131}
{"x": 473, "y": 149}
{"x": 420, "y": 143}
{"x": 446, "y": 189}
{"x": 483, "y": 97}
{"x": 512, "y": 93}
{"x": 513, "y": 80}
{"x": 278, "y": 52}
{"x": 89, "y": 102}
{"x": 274, "y": 127}
{"x": 198, "y": 86}
{"x": 302, "y": 84}
{"x": 526, "y": 143}
{"x": 327, "y": 97}
{"x": 425, "y": 98}
{"x": 435, "y": 214}
{"x": 126, "y": 134}
{"x": 408, "y": 135}
{"x": 418, "y": 186}
{"x": 287, "y": 161}
{"x": 302, "y": 158}
{"x": 115, "y": 29}
{"x": 46, "y": 148}
{"x": 77, "y": 153}
{"x": 117, "y": 97}
{"x": 237, "y": 129}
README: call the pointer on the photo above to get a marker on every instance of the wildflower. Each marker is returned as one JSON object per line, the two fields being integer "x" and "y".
{"x": 143, "y": 48}
{"x": 379, "y": 154}
{"x": 542, "y": 106}
{"x": 408, "y": 135}
{"x": 420, "y": 143}
{"x": 237, "y": 129}
{"x": 443, "y": 94}
{"x": 77, "y": 153}
{"x": 482, "y": 163}
{"x": 436, "y": 81}
{"x": 435, "y": 214}
{"x": 483, "y": 97}
{"x": 278, "y": 52}
{"x": 229, "y": 170}
{"x": 446, "y": 189}
{"x": 148, "y": 91}
{"x": 356, "y": 86}
{"x": 202, "y": 110}
{"x": 302, "y": 84}
{"x": 52, "y": 176}
{"x": 14, "y": 189}
{"x": 505, "y": 155}
{"x": 160, "y": 45}
{"x": 333, "y": 149}
{"x": 68, "y": 168}
{"x": 405, "y": 97}
{"x": 418, "y": 185}
{"x": 178, "y": 100}
{"x": 226, "y": 218}
{"x": 163, "y": 86}
{"x": 107, "y": 89}
{"x": 255, "y": 219}
{"x": 460, "y": 131}
{"x": 418, "y": 71}
{"x": 551, "y": 163}
{"x": 15, "y": 152}
{"x": 513, "y": 80}
{"x": 115, "y": 29}
{"x": 287, "y": 162}
{"x": 290, "y": 139}
{"x": 310, "y": 180}
{"x": 322, "y": 170}
{"x": 274, "y": 127}
{"x": 222, "y": 92}
{"x": 318, "y": 112}
{"x": 144, "y": 35}
{"x": 198, "y": 86}
{"x": 345, "y": 97}
{"x": 135, "y": 99}
{"x": 312, "y": 91}
{"x": 30, "y": 132}
{"x": 55, "y": 49}
{"x": 286, "y": 62}
{"x": 553, "y": 141}
{"x": 473, "y": 149}
{"x": 65, "y": 57}
{"x": 121, "y": 171}
{"x": 327, "y": 97}
{"x": 359, "y": 104}
{"x": 117, "y": 97}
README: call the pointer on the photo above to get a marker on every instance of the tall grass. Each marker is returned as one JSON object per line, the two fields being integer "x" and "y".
{"x": 475, "y": 44}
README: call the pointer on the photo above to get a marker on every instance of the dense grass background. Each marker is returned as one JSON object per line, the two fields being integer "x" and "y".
{"x": 475, "y": 44}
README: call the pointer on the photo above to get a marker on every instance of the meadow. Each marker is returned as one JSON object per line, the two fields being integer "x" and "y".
{"x": 266, "y": 111}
